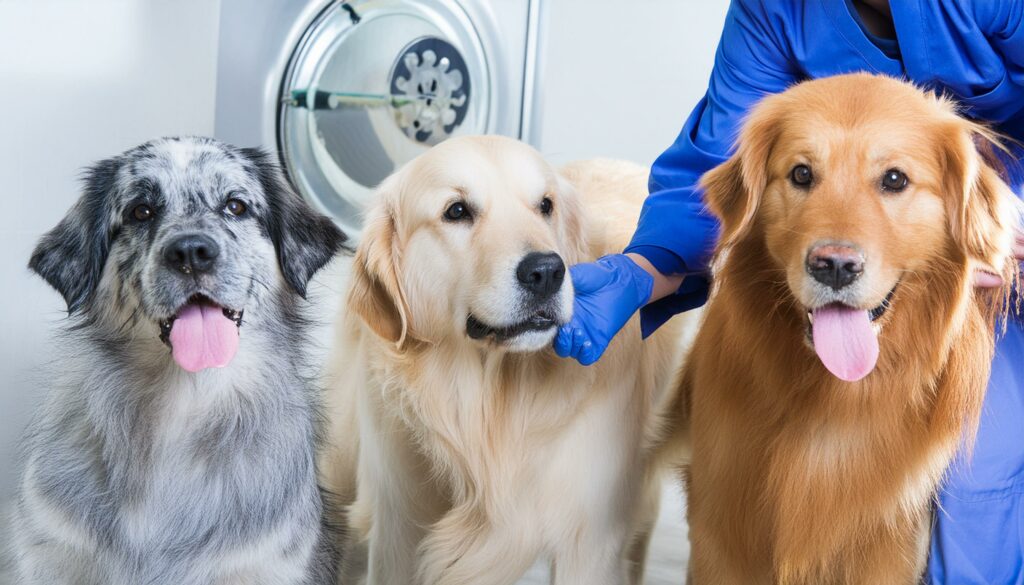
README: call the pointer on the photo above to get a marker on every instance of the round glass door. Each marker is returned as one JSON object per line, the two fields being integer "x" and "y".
{"x": 372, "y": 85}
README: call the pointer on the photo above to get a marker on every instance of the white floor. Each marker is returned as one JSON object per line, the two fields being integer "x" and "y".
{"x": 670, "y": 548}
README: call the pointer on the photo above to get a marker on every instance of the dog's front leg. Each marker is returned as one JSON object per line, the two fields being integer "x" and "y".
{"x": 396, "y": 500}
{"x": 593, "y": 558}
{"x": 46, "y": 562}
{"x": 47, "y": 548}
{"x": 467, "y": 548}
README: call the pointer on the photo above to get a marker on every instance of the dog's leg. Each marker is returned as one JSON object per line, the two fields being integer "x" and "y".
{"x": 466, "y": 548}
{"x": 355, "y": 558}
{"x": 395, "y": 532}
{"x": 894, "y": 555}
{"x": 600, "y": 546}
{"x": 47, "y": 550}
{"x": 45, "y": 563}
{"x": 396, "y": 499}
{"x": 647, "y": 518}
{"x": 594, "y": 557}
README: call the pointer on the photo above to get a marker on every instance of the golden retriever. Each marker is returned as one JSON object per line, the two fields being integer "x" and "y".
{"x": 845, "y": 353}
{"x": 478, "y": 449}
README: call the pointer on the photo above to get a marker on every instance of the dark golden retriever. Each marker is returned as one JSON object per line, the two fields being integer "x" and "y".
{"x": 845, "y": 351}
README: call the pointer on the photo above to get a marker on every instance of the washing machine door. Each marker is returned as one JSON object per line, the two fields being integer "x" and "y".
{"x": 372, "y": 85}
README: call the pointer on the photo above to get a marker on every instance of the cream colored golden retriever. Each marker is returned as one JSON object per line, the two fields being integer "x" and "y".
{"x": 478, "y": 449}
{"x": 845, "y": 351}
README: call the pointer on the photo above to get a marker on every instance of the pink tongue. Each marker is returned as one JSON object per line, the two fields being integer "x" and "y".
{"x": 845, "y": 342}
{"x": 202, "y": 337}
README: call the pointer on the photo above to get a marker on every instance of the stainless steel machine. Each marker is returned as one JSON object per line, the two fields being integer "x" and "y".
{"x": 347, "y": 91}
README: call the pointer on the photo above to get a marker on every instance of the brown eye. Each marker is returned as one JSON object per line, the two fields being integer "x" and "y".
{"x": 457, "y": 211}
{"x": 142, "y": 213}
{"x": 801, "y": 176}
{"x": 894, "y": 180}
{"x": 546, "y": 206}
{"x": 235, "y": 207}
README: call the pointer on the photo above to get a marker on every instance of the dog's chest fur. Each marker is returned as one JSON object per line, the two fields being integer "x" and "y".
{"x": 831, "y": 481}
{"x": 486, "y": 421}
{"x": 155, "y": 470}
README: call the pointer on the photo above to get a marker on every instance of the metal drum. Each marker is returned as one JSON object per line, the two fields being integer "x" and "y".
{"x": 347, "y": 92}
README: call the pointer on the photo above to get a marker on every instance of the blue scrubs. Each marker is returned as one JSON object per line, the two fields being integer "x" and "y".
{"x": 972, "y": 49}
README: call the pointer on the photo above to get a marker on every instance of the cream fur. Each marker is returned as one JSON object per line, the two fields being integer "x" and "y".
{"x": 475, "y": 459}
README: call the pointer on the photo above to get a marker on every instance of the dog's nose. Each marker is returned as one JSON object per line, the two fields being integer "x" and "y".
{"x": 191, "y": 253}
{"x": 541, "y": 273}
{"x": 835, "y": 265}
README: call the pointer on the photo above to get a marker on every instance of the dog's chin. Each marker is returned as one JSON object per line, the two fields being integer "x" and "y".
{"x": 534, "y": 333}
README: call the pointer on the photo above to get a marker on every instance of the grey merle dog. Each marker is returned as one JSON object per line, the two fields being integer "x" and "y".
{"x": 177, "y": 441}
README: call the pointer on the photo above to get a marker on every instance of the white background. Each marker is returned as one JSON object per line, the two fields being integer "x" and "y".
{"x": 85, "y": 79}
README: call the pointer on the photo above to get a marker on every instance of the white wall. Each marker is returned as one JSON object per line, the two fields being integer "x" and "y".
{"x": 79, "y": 80}
{"x": 620, "y": 77}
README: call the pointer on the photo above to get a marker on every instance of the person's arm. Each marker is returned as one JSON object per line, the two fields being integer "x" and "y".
{"x": 664, "y": 267}
{"x": 664, "y": 285}
{"x": 1002, "y": 22}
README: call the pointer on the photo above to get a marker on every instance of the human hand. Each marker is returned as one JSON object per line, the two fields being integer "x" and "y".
{"x": 608, "y": 292}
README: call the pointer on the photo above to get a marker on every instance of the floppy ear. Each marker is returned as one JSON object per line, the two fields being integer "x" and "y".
{"x": 376, "y": 293}
{"x": 733, "y": 189}
{"x": 978, "y": 201}
{"x": 72, "y": 255}
{"x": 304, "y": 239}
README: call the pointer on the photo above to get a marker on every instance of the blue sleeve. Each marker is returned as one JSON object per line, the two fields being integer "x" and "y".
{"x": 675, "y": 232}
{"x": 1002, "y": 22}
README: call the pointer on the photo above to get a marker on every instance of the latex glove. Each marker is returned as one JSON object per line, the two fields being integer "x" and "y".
{"x": 608, "y": 292}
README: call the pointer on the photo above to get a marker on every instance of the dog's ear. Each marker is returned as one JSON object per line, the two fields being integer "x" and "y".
{"x": 304, "y": 239}
{"x": 376, "y": 293}
{"x": 978, "y": 202}
{"x": 733, "y": 190}
{"x": 71, "y": 256}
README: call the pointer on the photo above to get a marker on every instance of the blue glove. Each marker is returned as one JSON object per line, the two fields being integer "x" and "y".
{"x": 608, "y": 292}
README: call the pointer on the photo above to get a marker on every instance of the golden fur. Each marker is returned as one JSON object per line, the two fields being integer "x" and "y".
{"x": 474, "y": 460}
{"x": 796, "y": 476}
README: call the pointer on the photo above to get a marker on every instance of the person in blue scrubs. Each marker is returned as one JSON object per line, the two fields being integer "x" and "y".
{"x": 970, "y": 49}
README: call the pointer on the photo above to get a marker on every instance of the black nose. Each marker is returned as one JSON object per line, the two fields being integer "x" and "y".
{"x": 541, "y": 273}
{"x": 835, "y": 265}
{"x": 191, "y": 253}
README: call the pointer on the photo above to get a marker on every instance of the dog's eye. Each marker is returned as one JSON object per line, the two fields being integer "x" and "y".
{"x": 142, "y": 213}
{"x": 894, "y": 180}
{"x": 801, "y": 176}
{"x": 546, "y": 206}
{"x": 457, "y": 211}
{"x": 235, "y": 207}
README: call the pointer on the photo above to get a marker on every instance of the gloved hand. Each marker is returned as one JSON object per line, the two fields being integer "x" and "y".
{"x": 608, "y": 292}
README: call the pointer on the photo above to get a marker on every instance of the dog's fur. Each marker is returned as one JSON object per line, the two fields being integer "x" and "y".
{"x": 477, "y": 456}
{"x": 137, "y": 471}
{"x": 797, "y": 476}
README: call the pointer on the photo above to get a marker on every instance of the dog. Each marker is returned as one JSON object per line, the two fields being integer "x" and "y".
{"x": 480, "y": 450}
{"x": 845, "y": 352}
{"x": 177, "y": 440}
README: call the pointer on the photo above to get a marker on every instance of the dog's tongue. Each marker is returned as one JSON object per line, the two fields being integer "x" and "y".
{"x": 845, "y": 342}
{"x": 202, "y": 337}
